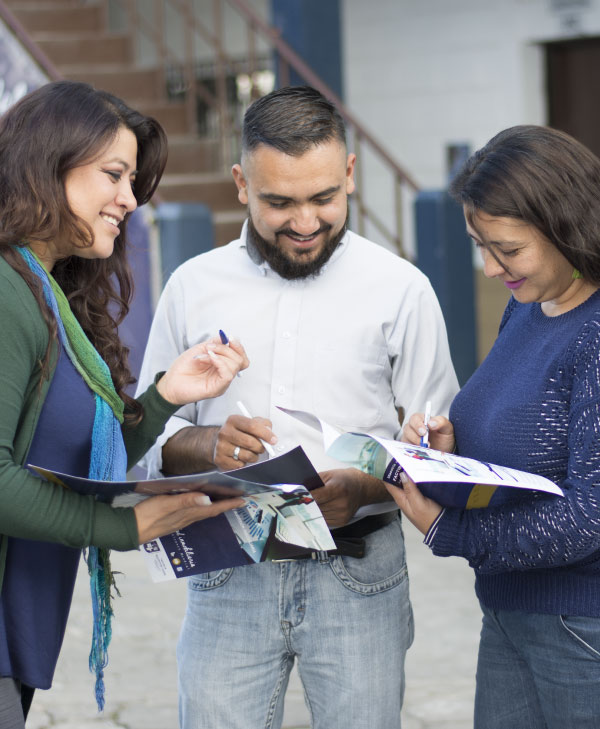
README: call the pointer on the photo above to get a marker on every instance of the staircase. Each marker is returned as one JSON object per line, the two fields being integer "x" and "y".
{"x": 75, "y": 39}
{"x": 196, "y": 95}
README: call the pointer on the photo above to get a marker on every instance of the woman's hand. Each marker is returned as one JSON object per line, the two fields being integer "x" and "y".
{"x": 441, "y": 432}
{"x": 418, "y": 509}
{"x": 204, "y": 370}
{"x": 160, "y": 515}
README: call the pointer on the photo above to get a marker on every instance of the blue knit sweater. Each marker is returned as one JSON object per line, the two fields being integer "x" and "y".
{"x": 534, "y": 404}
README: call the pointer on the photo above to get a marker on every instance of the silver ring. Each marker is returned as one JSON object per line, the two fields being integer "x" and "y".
{"x": 236, "y": 453}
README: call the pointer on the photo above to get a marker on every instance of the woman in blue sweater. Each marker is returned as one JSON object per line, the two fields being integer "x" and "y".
{"x": 531, "y": 200}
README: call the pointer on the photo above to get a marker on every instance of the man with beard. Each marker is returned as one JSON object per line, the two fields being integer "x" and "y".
{"x": 335, "y": 325}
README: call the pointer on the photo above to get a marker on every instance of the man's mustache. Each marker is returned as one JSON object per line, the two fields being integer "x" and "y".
{"x": 288, "y": 231}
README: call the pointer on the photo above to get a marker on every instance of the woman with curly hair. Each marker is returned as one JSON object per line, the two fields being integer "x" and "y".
{"x": 74, "y": 164}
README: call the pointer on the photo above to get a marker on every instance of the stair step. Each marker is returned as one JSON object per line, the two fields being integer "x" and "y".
{"x": 171, "y": 114}
{"x": 192, "y": 155}
{"x": 61, "y": 18}
{"x": 228, "y": 225}
{"x": 32, "y": 4}
{"x": 215, "y": 190}
{"x": 102, "y": 48}
{"x": 128, "y": 83}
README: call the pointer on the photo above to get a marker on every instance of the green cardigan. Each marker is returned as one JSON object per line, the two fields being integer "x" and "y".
{"x": 29, "y": 507}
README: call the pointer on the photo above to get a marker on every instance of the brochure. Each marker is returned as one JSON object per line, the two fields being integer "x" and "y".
{"x": 280, "y": 519}
{"x": 449, "y": 479}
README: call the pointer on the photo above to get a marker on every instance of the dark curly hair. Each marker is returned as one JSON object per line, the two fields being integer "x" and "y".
{"x": 50, "y": 131}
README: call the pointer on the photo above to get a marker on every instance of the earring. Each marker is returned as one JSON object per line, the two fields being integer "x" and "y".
{"x": 576, "y": 274}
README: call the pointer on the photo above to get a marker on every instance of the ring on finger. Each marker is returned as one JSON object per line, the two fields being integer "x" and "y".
{"x": 236, "y": 453}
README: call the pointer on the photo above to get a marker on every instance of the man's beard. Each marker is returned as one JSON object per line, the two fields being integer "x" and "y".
{"x": 292, "y": 268}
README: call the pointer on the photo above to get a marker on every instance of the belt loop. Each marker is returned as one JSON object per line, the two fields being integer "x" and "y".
{"x": 323, "y": 557}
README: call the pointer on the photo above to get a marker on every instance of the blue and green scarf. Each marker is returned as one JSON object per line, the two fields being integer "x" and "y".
{"x": 108, "y": 459}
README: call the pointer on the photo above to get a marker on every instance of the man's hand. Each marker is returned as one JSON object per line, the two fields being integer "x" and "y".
{"x": 344, "y": 492}
{"x": 241, "y": 436}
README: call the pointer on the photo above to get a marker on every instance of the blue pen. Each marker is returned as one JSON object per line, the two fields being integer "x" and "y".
{"x": 225, "y": 340}
{"x": 425, "y": 438}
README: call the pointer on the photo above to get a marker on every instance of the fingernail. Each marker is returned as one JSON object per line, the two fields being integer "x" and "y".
{"x": 211, "y": 354}
{"x": 201, "y": 356}
{"x": 432, "y": 423}
{"x": 403, "y": 477}
{"x": 421, "y": 430}
{"x": 203, "y": 500}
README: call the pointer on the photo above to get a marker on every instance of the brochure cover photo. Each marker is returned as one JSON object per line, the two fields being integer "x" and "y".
{"x": 280, "y": 519}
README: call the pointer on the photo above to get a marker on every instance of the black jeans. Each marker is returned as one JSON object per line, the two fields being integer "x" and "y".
{"x": 15, "y": 702}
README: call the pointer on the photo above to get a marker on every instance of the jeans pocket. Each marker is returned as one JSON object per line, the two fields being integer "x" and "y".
{"x": 210, "y": 580}
{"x": 584, "y": 631}
{"x": 383, "y": 566}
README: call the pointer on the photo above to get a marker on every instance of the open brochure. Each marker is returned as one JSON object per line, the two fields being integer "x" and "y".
{"x": 449, "y": 479}
{"x": 279, "y": 519}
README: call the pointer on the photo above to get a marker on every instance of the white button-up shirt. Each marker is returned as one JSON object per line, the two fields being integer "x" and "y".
{"x": 353, "y": 345}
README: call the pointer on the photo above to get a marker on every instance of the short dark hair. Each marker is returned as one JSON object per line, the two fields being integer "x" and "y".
{"x": 543, "y": 177}
{"x": 292, "y": 120}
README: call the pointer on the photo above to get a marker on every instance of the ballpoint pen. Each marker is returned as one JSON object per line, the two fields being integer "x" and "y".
{"x": 425, "y": 438}
{"x": 224, "y": 340}
{"x": 244, "y": 411}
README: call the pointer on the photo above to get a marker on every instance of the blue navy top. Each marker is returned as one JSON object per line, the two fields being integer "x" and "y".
{"x": 40, "y": 576}
{"x": 534, "y": 404}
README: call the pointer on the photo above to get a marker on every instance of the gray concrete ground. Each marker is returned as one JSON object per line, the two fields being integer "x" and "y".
{"x": 141, "y": 677}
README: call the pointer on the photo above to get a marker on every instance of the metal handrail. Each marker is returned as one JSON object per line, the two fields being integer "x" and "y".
{"x": 304, "y": 70}
{"x": 32, "y": 48}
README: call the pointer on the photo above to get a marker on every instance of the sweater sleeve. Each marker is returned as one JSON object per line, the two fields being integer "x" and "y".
{"x": 542, "y": 531}
{"x": 139, "y": 438}
{"x": 30, "y": 507}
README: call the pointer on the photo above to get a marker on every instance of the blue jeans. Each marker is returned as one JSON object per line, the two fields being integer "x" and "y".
{"x": 538, "y": 672}
{"x": 348, "y": 623}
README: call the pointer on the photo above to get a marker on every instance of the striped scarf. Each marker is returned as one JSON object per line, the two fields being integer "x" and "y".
{"x": 108, "y": 459}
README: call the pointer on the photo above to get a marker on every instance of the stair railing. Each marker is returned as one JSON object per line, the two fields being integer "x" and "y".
{"x": 146, "y": 21}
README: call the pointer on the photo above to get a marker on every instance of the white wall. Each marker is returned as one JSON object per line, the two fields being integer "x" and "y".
{"x": 422, "y": 74}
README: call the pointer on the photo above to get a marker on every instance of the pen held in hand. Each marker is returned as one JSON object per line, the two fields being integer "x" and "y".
{"x": 224, "y": 340}
{"x": 427, "y": 416}
{"x": 245, "y": 412}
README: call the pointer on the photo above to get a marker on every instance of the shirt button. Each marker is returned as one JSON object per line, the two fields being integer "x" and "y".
{"x": 281, "y": 389}
{"x": 286, "y": 335}
{"x": 279, "y": 448}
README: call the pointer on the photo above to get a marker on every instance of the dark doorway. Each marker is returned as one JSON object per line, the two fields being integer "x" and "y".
{"x": 573, "y": 79}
